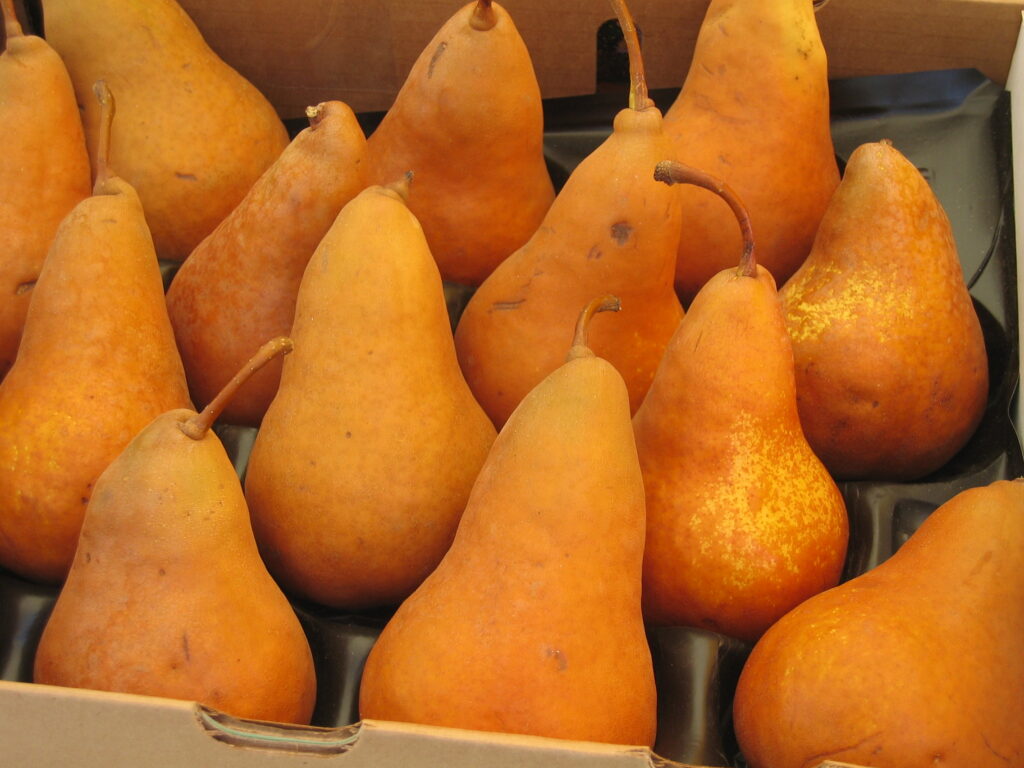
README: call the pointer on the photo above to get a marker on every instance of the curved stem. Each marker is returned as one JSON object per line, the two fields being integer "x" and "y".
{"x": 107, "y": 109}
{"x": 483, "y": 17}
{"x": 579, "y": 348}
{"x": 12, "y": 26}
{"x": 315, "y": 115}
{"x": 671, "y": 172}
{"x": 637, "y": 78}
{"x": 198, "y": 425}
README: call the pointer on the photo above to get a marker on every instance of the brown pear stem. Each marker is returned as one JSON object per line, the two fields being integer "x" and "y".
{"x": 107, "y": 109}
{"x": 819, "y": 4}
{"x": 483, "y": 17}
{"x": 198, "y": 425}
{"x": 315, "y": 115}
{"x": 579, "y": 348}
{"x": 671, "y": 172}
{"x": 637, "y": 78}
{"x": 12, "y": 27}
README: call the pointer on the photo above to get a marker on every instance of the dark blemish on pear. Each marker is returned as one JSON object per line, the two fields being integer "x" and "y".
{"x": 186, "y": 176}
{"x": 441, "y": 48}
{"x": 162, "y": 571}
{"x": 348, "y": 434}
{"x": 503, "y": 305}
{"x": 85, "y": 499}
{"x": 88, "y": 557}
{"x": 595, "y": 253}
{"x": 621, "y": 231}
{"x": 184, "y": 646}
{"x": 24, "y": 287}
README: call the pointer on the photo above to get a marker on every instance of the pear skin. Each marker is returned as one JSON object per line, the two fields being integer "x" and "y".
{"x": 468, "y": 122}
{"x": 366, "y": 456}
{"x": 193, "y": 135}
{"x": 167, "y": 595}
{"x": 743, "y": 520}
{"x": 892, "y": 372}
{"x": 97, "y": 363}
{"x": 238, "y": 286}
{"x": 916, "y": 662}
{"x": 612, "y": 229}
{"x": 44, "y": 168}
{"x": 754, "y": 111}
{"x": 531, "y": 623}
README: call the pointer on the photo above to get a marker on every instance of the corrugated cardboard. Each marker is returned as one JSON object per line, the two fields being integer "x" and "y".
{"x": 302, "y": 52}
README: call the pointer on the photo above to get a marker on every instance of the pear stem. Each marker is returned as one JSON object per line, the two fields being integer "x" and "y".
{"x": 107, "y": 109}
{"x": 12, "y": 27}
{"x": 199, "y": 424}
{"x": 315, "y": 115}
{"x": 579, "y": 348}
{"x": 483, "y": 17}
{"x": 637, "y": 78}
{"x": 671, "y": 172}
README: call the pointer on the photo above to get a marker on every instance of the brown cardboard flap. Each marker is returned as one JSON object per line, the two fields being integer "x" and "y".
{"x": 305, "y": 51}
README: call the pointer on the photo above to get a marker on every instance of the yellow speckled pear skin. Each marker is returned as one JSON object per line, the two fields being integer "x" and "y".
{"x": 193, "y": 134}
{"x": 44, "y": 168}
{"x": 531, "y": 623}
{"x": 743, "y": 520}
{"x": 915, "y": 663}
{"x": 754, "y": 111}
{"x": 891, "y": 366}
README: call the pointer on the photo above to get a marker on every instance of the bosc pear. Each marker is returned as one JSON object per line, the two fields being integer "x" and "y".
{"x": 366, "y": 456}
{"x": 238, "y": 286}
{"x": 468, "y": 122}
{"x": 167, "y": 595}
{"x": 194, "y": 135}
{"x": 892, "y": 371}
{"x": 97, "y": 363}
{"x": 44, "y": 168}
{"x": 531, "y": 623}
{"x": 612, "y": 229}
{"x": 754, "y": 111}
{"x": 916, "y": 662}
{"x": 743, "y": 520}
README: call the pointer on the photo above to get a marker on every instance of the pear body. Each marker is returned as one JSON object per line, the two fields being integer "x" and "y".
{"x": 167, "y": 595}
{"x": 238, "y": 287}
{"x": 916, "y": 662}
{"x": 372, "y": 414}
{"x": 44, "y": 172}
{"x": 612, "y": 229}
{"x": 754, "y": 111}
{"x": 531, "y": 623}
{"x": 192, "y": 135}
{"x": 892, "y": 372}
{"x": 743, "y": 520}
{"x": 468, "y": 123}
{"x": 97, "y": 363}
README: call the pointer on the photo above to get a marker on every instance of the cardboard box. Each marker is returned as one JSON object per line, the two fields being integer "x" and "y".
{"x": 305, "y": 51}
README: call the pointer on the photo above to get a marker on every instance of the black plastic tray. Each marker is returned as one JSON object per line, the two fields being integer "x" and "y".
{"x": 953, "y": 125}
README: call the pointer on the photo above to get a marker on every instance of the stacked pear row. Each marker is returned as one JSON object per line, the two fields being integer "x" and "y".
{"x": 719, "y": 428}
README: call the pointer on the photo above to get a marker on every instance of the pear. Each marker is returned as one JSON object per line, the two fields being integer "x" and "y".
{"x": 167, "y": 595}
{"x": 754, "y": 111}
{"x": 892, "y": 372}
{"x": 193, "y": 136}
{"x": 97, "y": 363}
{"x": 44, "y": 168}
{"x": 743, "y": 520}
{"x": 916, "y": 662}
{"x": 611, "y": 229}
{"x": 366, "y": 456}
{"x": 531, "y": 623}
{"x": 468, "y": 122}
{"x": 238, "y": 286}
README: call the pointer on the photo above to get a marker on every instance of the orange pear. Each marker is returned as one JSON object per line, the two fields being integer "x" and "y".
{"x": 743, "y": 520}
{"x": 892, "y": 372}
{"x": 754, "y": 111}
{"x": 916, "y": 662}
{"x": 366, "y": 456}
{"x": 167, "y": 595}
{"x": 612, "y": 229}
{"x": 468, "y": 122}
{"x": 238, "y": 286}
{"x": 97, "y": 363}
{"x": 531, "y": 623}
{"x": 44, "y": 168}
{"x": 193, "y": 136}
